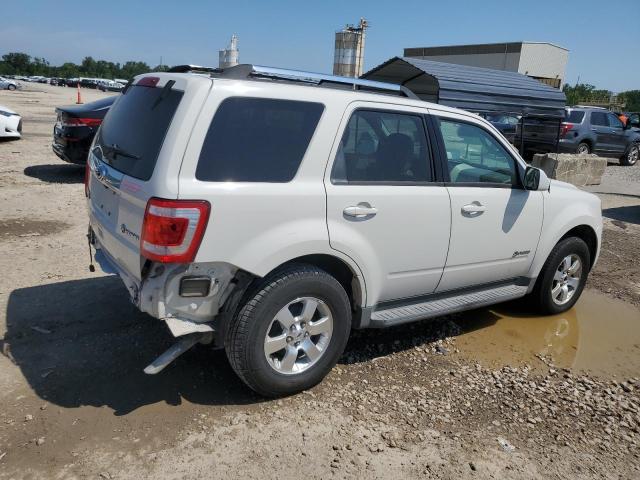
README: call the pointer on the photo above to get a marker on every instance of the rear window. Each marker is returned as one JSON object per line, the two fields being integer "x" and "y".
{"x": 257, "y": 140}
{"x": 133, "y": 131}
{"x": 574, "y": 116}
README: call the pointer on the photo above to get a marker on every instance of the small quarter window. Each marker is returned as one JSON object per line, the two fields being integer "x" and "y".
{"x": 574, "y": 116}
{"x": 257, "y": 140}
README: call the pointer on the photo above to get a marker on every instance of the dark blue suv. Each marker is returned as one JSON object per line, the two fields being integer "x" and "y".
{"x": 599, "y": 131}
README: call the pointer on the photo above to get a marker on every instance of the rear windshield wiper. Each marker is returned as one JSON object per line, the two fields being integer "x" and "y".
{"x": 115, "y": 150}
{"x": 164, "y": 93}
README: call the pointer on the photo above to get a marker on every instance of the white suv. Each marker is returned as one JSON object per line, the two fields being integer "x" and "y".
{"x": 270, "y": 211}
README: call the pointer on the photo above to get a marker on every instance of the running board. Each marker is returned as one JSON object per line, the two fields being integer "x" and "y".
{"x": 445, "y": 304}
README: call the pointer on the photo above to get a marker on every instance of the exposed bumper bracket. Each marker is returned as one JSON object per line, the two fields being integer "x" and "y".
{"x": 177, "y": 349}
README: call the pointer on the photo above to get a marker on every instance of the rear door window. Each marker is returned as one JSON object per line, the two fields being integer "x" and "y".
{"x": 257, "y": 140}
{"x": 133, "y": 130}
{"x": 599, "y": 118}
{"x": 382, "y": 147}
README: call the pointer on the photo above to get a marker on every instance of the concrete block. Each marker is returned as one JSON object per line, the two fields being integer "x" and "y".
{"x": 580, "y": 170}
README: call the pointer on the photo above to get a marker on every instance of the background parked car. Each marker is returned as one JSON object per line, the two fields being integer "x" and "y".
{"x": 8, "y": 84}
{"x": 540, "y": 135}
{"x": 597, "y": 130}
{"x": 10, "y": 123}
{"x": 505, "y": 123}
{"x": 633, "y": 119}
{"x": 75, "y": 128}
{"x": 110, "y": 86}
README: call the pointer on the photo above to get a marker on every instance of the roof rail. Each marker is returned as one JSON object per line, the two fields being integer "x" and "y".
{"x": 246, "y": 71}
{"x": 193, "y": 68}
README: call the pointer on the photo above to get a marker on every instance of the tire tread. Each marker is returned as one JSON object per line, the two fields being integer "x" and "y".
{"x": 238, "y": 332}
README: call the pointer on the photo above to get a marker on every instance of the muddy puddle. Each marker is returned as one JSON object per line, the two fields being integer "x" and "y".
{"x": 22, "y": 228}
{"x": 599, "y": 335}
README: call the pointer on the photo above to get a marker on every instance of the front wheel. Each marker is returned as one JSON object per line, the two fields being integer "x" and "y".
{"x": 290, "y": 332}
{"x": 562, "y": 277}
{"x": 11, "y": 87}
{"x": 631, "y": 157}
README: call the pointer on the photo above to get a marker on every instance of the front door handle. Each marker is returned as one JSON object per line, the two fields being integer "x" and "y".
{"x": 475, "y": 208}
{"x": 361, "y": 210}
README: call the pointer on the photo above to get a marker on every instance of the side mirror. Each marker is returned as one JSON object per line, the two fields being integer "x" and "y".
{"x": 535, "y": 179}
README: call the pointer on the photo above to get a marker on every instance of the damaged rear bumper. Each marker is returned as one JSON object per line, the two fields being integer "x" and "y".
{"x": 162, "y": 295}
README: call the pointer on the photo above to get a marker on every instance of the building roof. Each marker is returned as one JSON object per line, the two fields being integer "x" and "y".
{"x": 471, "y": 88}
{"x": 472, "y": 49}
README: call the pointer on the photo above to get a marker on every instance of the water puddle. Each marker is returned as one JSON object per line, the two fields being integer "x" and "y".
{"x": 24, "y": 227}
{"x": 599, "y": 335}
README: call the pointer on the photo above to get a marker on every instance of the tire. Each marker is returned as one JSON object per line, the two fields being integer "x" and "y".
{"x": 583, "y": 148}
{"x": 282, "y": 296}
{"x": 542, "y": 297}
{"x": 11, "y": 87}
{"x": 631, "y": 157}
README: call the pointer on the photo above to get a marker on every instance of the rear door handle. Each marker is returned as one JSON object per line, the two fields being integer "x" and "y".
{"x": 361, "y": 210}
{"x": 475, "y": 208}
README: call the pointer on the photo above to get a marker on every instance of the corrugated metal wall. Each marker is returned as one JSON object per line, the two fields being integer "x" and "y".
{"x": 471, "y": 88}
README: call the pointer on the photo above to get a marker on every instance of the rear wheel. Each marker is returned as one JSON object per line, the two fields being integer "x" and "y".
{"x": 290, "y": 332}
{"x": 562, "y": 277}
{"x": 583, "y": 148}
{"x": 11, "y": 87}
{"x": 632, "y": 156}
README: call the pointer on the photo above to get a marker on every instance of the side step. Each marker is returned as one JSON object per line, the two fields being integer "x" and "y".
{"x": 444, "y": 304}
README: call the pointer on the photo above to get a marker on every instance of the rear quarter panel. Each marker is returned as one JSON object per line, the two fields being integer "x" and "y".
{"x": 258, "y": 226}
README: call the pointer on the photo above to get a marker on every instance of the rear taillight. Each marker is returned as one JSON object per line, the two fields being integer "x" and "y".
{"x": 564, "y": 128}
{"x": 81, "y": 122}
{"x": 173, "y": 229}
{"x": 87, "y": 172}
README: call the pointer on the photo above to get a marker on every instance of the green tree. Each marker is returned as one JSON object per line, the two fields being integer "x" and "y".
{"x": 88, "y": 67}
{"x": 583, "y": 92}
{"x": 17, "y": 63}
{"x": 130, "y": 69}
{"x": 631, "y": 98}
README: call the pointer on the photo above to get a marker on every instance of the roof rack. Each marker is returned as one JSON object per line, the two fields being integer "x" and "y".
{"x": 247, "y": 71}
{"x": 193, "y": 68}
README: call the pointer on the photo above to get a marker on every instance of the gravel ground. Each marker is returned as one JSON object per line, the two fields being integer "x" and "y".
{"x": 618, "y": 179}
{"x": 494, "y": 393}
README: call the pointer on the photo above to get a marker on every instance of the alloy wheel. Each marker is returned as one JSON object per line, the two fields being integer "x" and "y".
{"x": 298, "y": 335}
{"x": 583, "y": 149}
{"x": 566, "y": 279}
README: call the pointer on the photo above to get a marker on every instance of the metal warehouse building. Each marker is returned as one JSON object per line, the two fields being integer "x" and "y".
{"x": 543, "y": 61}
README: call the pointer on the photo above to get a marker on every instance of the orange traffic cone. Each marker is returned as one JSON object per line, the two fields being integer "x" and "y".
{"x": 79, "y": 101}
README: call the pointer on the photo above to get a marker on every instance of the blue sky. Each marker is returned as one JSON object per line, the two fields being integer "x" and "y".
{"x": 297, "y": 34}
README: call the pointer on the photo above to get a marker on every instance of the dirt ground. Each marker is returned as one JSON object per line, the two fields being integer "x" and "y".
{"x": 493, "y": 393}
